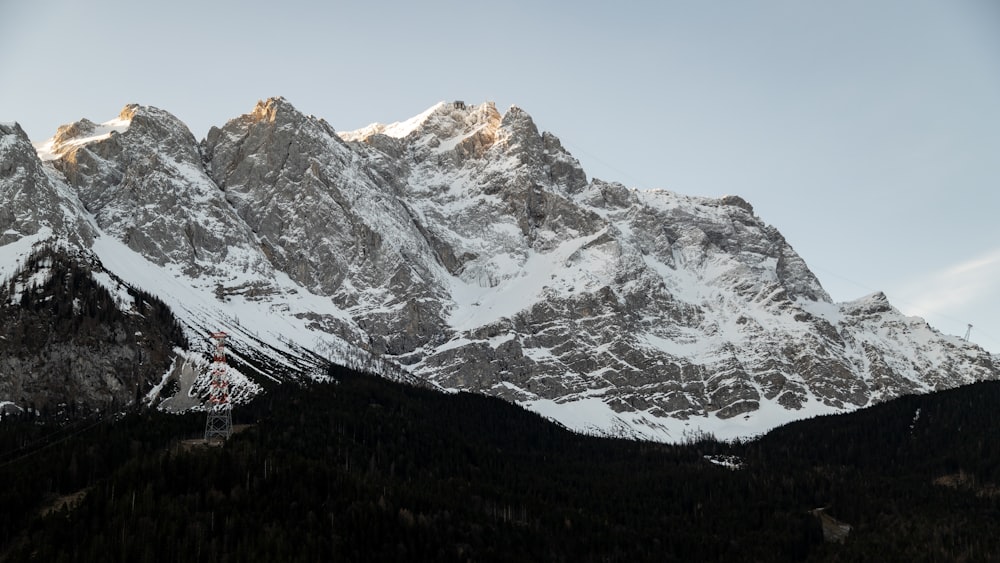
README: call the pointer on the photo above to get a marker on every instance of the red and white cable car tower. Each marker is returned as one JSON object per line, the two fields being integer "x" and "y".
{"x": 219, "y": 423}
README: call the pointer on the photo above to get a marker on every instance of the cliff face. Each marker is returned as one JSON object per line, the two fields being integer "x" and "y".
{"x": 468, "y": 250}
{"x": 34, "y": 197}
{"x": 68, "y": 344}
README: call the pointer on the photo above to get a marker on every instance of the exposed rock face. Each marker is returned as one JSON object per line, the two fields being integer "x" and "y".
{"x": 145, "y": 184}
{"x": 31, "y": 200}
{"x": 469, "y": 249}
{"x": 331, "y": 221}
{"x": 67, "y": 344}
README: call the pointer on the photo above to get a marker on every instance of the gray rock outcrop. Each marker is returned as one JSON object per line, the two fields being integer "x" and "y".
{"x": 468, "y": 249}
{"x": 35, "y": 201}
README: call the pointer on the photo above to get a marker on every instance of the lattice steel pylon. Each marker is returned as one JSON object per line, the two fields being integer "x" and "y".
{"x": 219, "y": 423}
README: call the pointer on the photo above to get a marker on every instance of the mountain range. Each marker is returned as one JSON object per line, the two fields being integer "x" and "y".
{"x": 462, "y": 249}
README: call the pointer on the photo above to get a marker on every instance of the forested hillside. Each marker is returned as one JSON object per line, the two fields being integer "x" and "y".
{"x": 69, "y": 346}
{"x": 369, "y": 470}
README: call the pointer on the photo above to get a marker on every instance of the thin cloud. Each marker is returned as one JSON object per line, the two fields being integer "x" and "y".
{"x": 960, "y": 289}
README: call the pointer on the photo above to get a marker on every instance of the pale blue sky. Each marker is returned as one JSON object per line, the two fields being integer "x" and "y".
{"x": 867, "y": 132}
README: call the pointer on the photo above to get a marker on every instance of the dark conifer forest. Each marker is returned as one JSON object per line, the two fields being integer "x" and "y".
{"x": 68, "y": 346}
{"x": 365, "y": 469}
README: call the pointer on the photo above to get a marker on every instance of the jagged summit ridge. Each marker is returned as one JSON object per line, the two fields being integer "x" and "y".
{"x": 74, "y": 135}
{"x": 143, "y": 180}
{"x": 468, "y": 249}
{"x": 443, "y": 120}
{"x": 34, "y": 200}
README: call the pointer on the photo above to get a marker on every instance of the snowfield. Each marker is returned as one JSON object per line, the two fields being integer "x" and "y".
{"x": 464, "y": 250}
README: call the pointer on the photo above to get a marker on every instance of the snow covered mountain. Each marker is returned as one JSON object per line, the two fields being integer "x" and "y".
{"x": 465, "y": 249}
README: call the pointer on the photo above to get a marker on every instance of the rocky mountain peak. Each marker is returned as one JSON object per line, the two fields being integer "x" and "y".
{"x": 468, "y": 130}
{"x": 14, "y": 130}
{"x": 145, "y": 125}
{"x": 72, "y": 136}
{"x": 467, "y": 249}
{"x": 449, "y": 120}
{"x": 34, "y": 202}
{"x": 272, "y": 108}
{"x": 142, "y": 178}
{"x": 266, "y": 119}
{"x": 736, "y": 201}
{"x": 82, "y": 128}
{"x": 14, "y": 146}
{"x": 456, "y": 132}
{"x": 155, "y": 123}
{"x": 518, "y": 121}
{"x": 521, "y": 136}
{"x": 872, "y": 304}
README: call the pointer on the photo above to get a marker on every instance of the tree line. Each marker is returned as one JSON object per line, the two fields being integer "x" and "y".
{"x": 365, "y": 469}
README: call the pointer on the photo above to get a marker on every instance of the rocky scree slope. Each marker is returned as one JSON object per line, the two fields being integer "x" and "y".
{"x": 467, "y": 249}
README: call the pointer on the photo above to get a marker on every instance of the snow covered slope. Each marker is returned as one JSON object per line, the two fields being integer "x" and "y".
{"x": 466, "y": 249}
